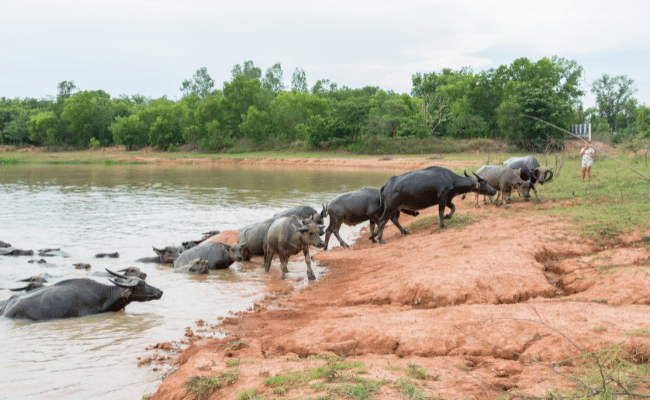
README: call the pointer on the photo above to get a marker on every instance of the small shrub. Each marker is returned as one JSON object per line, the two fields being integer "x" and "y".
{"x": 201, "y": 386}
{"x": 94, "y": 143}
{"x": 172, "y": 148}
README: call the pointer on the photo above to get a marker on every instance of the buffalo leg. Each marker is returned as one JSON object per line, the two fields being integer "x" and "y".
{"x": 373, "y": 232}
{"x": 441, "y": 212}
{"x": 452, "y": 207}
{"x": 395, "y": 219}
{"x": 268, "y": 257}
{"x": 536, "y": 195}
{"x": 476, "y": 195}
{"x": 334, "y": 228}
{"x": 284, "y": 260}
{"x": 310, "y": 273}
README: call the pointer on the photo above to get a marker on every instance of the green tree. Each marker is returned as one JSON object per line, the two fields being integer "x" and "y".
{"x": 238, "y": 96}
{"x": 250, "y": 71}
{"x": 103, "y": 116}
{"x": 273, "y": 80}
{"x": 65, "y": 89}
{"x": 43, "y": 128}
{"x": 256, "y": 125}
{"x": 290, "y": 109}
{"x": 299, "y": 81}
{"x": 611, "y": 94}
{"x": 129, "y": 131}
{"x": 78, "y": 116}
{"x": 200, "y": 85}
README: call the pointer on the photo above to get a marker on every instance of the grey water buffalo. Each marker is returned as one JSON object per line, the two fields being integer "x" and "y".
{"x": 254, "y": 235}
{"x": 4, "y": 245}
{"x": 504, "y": 180}
{"x": 530, "y": 170}
{"x": 218, "y": 255}
{"x": 191, "y": 243}
{"x": 353, "y": 208}
{"x": 10, "y": 251}
{"x": 196, "y": 266}
{"x": 78, "y": 297}
{"x": 85, "y": 266}
{"x": 304, "y": 212}
{"x": 166, "y": 255}
{"x": 133, "y": 272}
{"x": 52, "y": 253}
{"x": 209, "y": 234}
{"x": 108, "y": 255}
{"x": 288, "y": 236}
{"x": 420, "y": 189}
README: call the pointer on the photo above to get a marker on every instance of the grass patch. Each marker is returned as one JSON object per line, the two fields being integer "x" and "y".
{"x": 433, "y": 222}
{"x": 644, "y": 332}
{"x": 363, "y": 389}
{"x": 9, "y": 161}
{"x": 603, "y": 301}
{"x": 201, "y": 387}
{"x": 237, "y": 363}
{"x": 599, "y": 328}
{"x": 414, "y": 371}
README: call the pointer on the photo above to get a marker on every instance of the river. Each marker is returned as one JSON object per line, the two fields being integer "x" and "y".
{"x": 90, "y": 209}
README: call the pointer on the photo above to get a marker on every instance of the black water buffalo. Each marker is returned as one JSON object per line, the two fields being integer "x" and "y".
{"x": 530, "y": 170}
{"x": 166, "y": 255}
{"x": 254, "y": 235}
{"x": 304, "y": 212}
{"x": 77, "y": 298}
{"x": 420, "y": 189}
{"x": 353, "y": 208}
{"x": 218, "y": 255}
{"x": 288, "y": 236}
{"x": 35, "y": 282}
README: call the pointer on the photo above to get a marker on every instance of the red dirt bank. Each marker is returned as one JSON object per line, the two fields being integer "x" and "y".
{"x": 418, "y": 298}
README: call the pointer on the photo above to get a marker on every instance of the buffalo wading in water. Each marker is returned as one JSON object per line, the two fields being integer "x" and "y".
{"x": 420, "y": 189}
{"x": 79, "y": 297}
{"x": 304, "y": 212}
{"x": 197, "y": 266}
{"x": 218, "y": 255}
{"x": 254, "y": 235}
{"x": 288, "y": 236}
{"x": 166, "y": 255}
{"x": 353, "y": 208}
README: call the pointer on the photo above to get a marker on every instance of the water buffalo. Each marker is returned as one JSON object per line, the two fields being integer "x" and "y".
{"x": 502, "y": 179}
{"x": 196, "y": 266}
{"x": 133, "y": 272}
{"x": 530, "y": 170}
{"x": 52, "y": 253}
{"x": 10, "y": 251}
{"x": 35, "y": 282}
{"x": 355, "y": 207}
{"x": 4, "y": 245}
{"x": 166, "y": 255}
{"x": 207, "y": 235}
{"x": 191, "y": 243}
{"x": 218, "y": 255}
{"x": 288, "y": 236}
{"x": 254, "y": 235}
{"x": 227, "y": 237}
{"x": 108, "y": 255}
{"x": 420, "y": 189}
{"x": 304, "y": 212}
{"x": 82, "y": 266}
{"x": 77, "y": 298}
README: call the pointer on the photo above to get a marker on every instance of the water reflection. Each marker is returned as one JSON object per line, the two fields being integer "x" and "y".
{"x": 90, "y": 209}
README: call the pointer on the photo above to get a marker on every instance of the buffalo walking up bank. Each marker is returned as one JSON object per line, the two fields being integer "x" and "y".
{"x": 420, "y": 189}
{"x": 530, "y": 170}
{"x": 288, "y": 236}
{"x": 77, "y": 298}
{"x": 503, "y": 180}
{"x": 353, "y": 208}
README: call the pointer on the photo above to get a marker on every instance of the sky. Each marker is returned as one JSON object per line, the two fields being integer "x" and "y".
{"x": 149, "y": 47}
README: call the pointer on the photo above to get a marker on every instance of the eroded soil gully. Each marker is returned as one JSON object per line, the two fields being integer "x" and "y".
{"x": 421, "y": 298}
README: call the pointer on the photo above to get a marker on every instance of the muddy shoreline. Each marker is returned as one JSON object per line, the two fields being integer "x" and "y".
{"x": 473, "y": 305}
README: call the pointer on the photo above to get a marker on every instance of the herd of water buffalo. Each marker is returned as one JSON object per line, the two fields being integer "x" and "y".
{"x": 285, "y": 234}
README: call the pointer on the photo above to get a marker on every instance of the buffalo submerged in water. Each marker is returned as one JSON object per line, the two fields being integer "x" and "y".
{"x": 77, "y": 298}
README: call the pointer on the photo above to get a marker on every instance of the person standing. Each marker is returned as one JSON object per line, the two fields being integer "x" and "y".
{"x": 588, "y": 155}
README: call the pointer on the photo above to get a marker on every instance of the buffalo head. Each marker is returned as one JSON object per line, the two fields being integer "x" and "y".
{"x": 133, "y": 272}
{"x": 136, "y": 288}
{"x": 234, "y": 250}
{"x": 480, "y": 185}
{"x": 167, "y": 255}
{"x": 311, "y": 233}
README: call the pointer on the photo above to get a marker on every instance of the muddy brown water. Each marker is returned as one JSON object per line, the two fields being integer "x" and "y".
{"x": 90, "y": 209}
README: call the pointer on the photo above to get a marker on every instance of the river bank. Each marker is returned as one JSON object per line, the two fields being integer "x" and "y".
{"x": 495, "y": 302}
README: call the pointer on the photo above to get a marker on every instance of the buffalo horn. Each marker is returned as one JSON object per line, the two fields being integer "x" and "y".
{"x": 20, "y": 289}
{"x": 465, "y": 172}
{"x": 116, "y": 274}
{"x": 30, "y": 279}
{"x": 243, "y": 245}
{"x": 303, "y": 229}
{"x": 127, "y": 285}
{"x": 320, "y": 226}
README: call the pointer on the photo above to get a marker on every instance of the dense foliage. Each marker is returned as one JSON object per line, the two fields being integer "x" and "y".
{"x": 256, "y": 108}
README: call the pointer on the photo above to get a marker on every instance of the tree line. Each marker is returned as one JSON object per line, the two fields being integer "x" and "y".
{"x": 260, "y": 109}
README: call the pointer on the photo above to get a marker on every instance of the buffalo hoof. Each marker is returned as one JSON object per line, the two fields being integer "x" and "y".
{"x": 311, "y": 277}
{"x": 345, "y": 245}
{"x": 443, "y": 226}
{"x": 406, "y": 232}
{"x": 447, "y": 216}
{"x": 372, "y": 239}
{"x": 477, "y": 206}
{"x": 382, "y": 241}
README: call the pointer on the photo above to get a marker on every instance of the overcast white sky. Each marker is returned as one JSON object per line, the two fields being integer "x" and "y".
{"x": 150, "y": 46}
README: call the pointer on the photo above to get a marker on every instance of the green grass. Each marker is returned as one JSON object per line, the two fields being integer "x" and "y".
{"x": 644, "y": 332}
{"x": 201, "y": 386}
{"x": 433, "y": 222}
